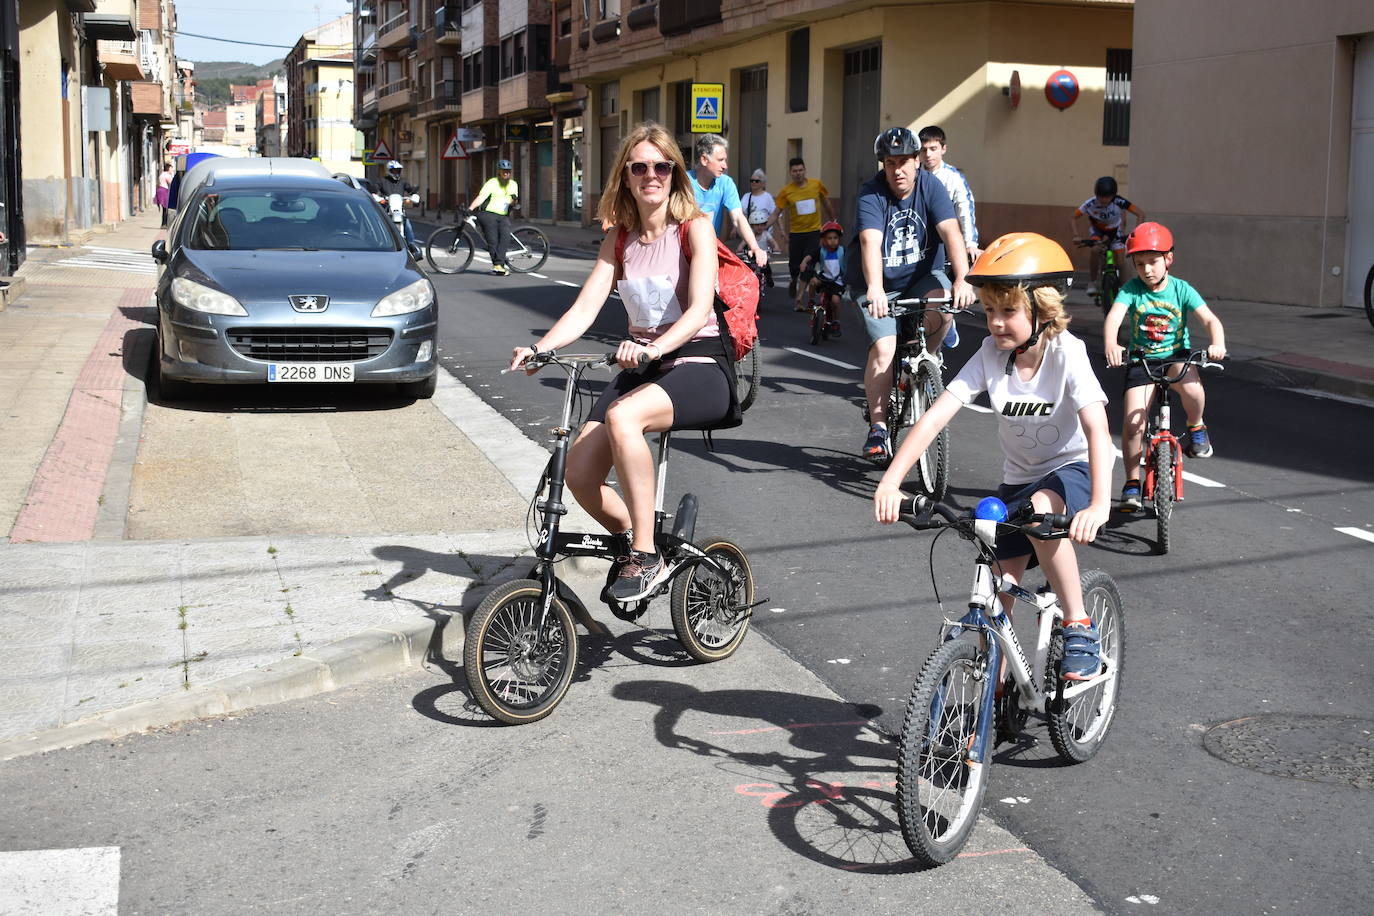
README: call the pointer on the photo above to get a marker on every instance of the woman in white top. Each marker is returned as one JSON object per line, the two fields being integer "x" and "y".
{"x": 660, "y": 255}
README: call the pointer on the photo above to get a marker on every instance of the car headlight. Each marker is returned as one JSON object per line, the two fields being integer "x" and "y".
{"x": 201, "y": 298}
{"x": 408, "y": 299}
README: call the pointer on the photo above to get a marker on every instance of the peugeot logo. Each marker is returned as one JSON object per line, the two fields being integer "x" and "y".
{"x": 309, "y": 303}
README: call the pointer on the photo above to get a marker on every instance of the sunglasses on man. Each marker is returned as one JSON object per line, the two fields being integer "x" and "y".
{"x": 661, "y": 169}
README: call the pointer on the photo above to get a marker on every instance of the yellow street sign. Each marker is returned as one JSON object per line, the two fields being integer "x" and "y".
{"x": 708, "y": 100}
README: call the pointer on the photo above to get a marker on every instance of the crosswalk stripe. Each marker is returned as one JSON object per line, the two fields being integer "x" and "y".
{"x": 824, "y": 359}
{"x": 46, "y": 882}
{"x": 1358, "y": 533}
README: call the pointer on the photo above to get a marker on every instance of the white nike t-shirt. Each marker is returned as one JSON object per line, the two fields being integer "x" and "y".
{"x": 1037, "y": 420}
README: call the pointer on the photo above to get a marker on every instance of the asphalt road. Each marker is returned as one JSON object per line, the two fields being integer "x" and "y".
{"x": 1259, "y": 610}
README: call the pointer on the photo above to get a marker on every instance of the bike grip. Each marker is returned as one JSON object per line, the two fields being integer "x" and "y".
{"x": 1055, "y": 520}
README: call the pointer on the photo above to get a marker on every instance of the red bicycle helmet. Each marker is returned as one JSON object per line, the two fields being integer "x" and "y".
{"x": 832, "y": 226}
{"x": 1150, "y": 237}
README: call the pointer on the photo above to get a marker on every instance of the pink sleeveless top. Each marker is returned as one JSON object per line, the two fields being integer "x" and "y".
{"x": 653, "y": 287}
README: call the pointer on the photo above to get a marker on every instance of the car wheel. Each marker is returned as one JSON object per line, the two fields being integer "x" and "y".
{"x": 421, "y": 390}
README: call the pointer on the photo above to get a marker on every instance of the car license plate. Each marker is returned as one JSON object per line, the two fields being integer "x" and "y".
{"x": 310, "y": 372}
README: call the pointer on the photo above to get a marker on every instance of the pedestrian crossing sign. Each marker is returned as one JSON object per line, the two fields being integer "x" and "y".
{"x": 707, "y": 99}
{"x": 454, "y": 150}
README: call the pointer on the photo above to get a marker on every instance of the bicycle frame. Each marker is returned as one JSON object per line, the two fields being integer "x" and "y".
{"x": 1158, "y": 427}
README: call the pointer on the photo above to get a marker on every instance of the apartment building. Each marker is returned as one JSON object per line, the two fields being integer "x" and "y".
{"x": 94, "y": 79}
{"x": 1254, "y": 142}
{"x": 241, "y": 118}
{"x": 320, "y": 96}
{"x": 270, "y": 116}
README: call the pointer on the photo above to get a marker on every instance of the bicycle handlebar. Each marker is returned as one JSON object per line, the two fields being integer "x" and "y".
{"x": 1195, "y": 358}
{"x": 539, "y": 360}
{"x": 899, "y": 308}
{"x": 1041, "y": 525}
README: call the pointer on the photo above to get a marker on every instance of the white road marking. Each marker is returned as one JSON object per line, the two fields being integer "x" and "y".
{"x": 824, "y": 359}
{"x": 60, "y": 881}
{"x": 1202, "y": 481}
{"x": 567, "y": 283}
{"x": 540, "y": 276}
{"x": 1358, "y": 533}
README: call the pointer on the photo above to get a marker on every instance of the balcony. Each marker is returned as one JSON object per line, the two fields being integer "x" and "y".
{"x": 121, "y": 60}
{"x": 149, "y": 100}
{"x": 479, "y": 105}
{"x": 523, "y": 92}
{"x": 448, "y": 22}
{"x": 676, "y": 17}
{"x": 368, "y": 46}
{"x": 368, "y": 103}
{"x": 395, "y": 32}
{"x": 446, "y": 101}
{"x": 394, "y": 96}
{"x": 642, "y": 17}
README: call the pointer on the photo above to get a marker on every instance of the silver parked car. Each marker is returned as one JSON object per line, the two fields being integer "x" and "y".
{"x": 289, "y": 277}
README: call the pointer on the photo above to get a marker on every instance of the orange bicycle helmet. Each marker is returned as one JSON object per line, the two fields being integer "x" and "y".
{"x": 832, "y": 226}
{"x": 1150, "y": 237}
{"x": 1022, "y": 258}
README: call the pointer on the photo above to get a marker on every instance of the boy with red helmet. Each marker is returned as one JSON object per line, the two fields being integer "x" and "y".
{"x": 1051, "y": 423}
{"x": 823, "y": 271}
{"x": 1157, "y": 306}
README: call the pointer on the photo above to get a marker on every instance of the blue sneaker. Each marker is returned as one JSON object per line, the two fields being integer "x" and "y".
{"x": 1198, "y": 444}
{"x": 1082, "y": 652}
{"x": 876, "y": 446}
{"x": 952, "y": 337}
{"x": 1130, "y": 496}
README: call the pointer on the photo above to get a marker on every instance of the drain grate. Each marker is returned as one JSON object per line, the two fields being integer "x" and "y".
{"x": 1333, "y": 749}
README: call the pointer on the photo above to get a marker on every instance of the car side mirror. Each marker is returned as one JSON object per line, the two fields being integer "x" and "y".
{"x": 160, "y": 251}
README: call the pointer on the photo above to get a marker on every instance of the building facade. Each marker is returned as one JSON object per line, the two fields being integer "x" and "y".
{"x": 320, "y": 96}
{"x": 1254, "y": 143}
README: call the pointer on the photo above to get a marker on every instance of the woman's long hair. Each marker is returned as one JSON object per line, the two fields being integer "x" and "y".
{"x": 618, "y": 207}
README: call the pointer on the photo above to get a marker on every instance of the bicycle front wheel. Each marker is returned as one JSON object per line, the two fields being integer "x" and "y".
{"x": 711, "y": 607}
{"x": 448, "y": 250}
{"x": 518, "y": 670}
{"x": 933, "y": 466}
{"x": 1369, "y": 295}
{"x": 747, "y": 378}
{"x": 1111, "y": 285}
{"x": 528, "y": 251}
{"x": 939, "y": 790}
{"x": 901, "y": 410}
{"x": 817, "y": 325}
{"x": 1165, "y": 469}
{"x": 1079, "y": 725}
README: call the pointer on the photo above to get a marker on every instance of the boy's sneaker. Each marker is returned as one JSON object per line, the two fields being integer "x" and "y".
{"x": 1130, "y": 496}
{"x": 1091, "y": 290}
{"x": 876, "y": 446}
{"x": 835, "y": 329}
{"x": 952, "y": 336}
{"x": 1199, "y": 444}
{"x": 641, "y": 575}
{"x": 1082, "y": 652}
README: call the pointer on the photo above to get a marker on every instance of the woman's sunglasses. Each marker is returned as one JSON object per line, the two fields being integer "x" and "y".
{"x": 661, "y": 169}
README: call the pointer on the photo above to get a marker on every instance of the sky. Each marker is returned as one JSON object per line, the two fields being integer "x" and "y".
{"x": 272, "y": 22}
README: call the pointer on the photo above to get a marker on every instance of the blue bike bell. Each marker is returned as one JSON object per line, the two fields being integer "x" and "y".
{"x": 991, "y": 509}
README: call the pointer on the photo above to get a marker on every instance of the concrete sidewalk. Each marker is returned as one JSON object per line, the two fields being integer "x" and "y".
{"x": 101, "y": 636}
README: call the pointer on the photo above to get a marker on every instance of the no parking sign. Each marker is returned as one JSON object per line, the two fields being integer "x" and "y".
{"x": 1061, "y": 89}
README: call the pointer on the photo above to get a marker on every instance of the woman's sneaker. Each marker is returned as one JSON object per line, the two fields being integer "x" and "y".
{"x": 640, "y": 576}
{"x": 1082, "y": 652}
{"x": 1199, "y": 444}
{"x": 1130, "y": 497}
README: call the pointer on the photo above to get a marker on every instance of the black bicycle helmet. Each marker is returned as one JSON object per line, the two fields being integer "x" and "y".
{"x": 896, "y": 141}
{"x": 1105, "y": 187}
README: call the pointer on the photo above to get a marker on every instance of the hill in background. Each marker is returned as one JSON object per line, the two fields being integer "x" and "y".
{"x": 214, "y": 76}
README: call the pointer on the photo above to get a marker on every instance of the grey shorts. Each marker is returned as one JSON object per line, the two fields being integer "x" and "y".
{"x": 878, "y": 328}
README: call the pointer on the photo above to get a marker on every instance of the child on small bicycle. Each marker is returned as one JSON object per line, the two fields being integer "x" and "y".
{"x": 1052, "y": 425}
{"x": 823, "y": 270}
{"x": 1105, "y": 212}
{"x": 1158, "y": 306}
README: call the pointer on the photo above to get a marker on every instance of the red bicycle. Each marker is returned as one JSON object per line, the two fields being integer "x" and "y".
{"x": 1162, "y": 480}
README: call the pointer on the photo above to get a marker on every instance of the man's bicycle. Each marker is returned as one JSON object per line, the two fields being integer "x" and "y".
{"x": 916, "y": 383}
{"x": 1108, "y": 278}
{"x": 1161, "y": 478}
{"x": 449, "y": 249}
{"x": 520, "y": 649}
{"x": 958, "y": 712}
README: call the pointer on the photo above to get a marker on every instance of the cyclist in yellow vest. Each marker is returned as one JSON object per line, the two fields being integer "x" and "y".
{"x": 492, "y": 206}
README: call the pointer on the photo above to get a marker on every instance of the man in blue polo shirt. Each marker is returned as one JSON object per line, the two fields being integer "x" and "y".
{"x": 717, "y": 194}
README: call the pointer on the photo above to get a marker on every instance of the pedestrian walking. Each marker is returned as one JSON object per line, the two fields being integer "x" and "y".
{"x": 164, "y": 189}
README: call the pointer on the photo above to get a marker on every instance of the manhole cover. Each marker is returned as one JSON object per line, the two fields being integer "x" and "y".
{"x": 1337, "y": 749}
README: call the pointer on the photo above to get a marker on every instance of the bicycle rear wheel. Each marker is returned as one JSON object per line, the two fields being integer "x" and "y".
{"x": 1078, "y": 728}
{"x": 747, "y": 378}
{"x": 530, "y": 251}
{"x": 1165, "y": 469}
{"x": 1369, "y": 295}
{"x": 711, "y": 609}
{"x": 448, "y": 250}
{"x": 939, "y": 790}
{"x": 933, "y": 466}
{"x": 517, "y": 670}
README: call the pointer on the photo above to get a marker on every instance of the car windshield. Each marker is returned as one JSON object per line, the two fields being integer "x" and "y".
{"x": 257, "y": 219}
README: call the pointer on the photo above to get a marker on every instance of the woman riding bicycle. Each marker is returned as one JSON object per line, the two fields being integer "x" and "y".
{"x": 661, "y": 259}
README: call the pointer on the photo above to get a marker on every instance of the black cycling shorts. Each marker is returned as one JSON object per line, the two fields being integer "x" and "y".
{"x": 700, "y": 393}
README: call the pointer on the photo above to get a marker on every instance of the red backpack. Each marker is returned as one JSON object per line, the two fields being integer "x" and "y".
{"x": 737, "y": 291}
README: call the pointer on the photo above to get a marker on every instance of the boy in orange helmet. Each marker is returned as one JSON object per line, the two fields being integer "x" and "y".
{"x": 1052, "y": 425}
{"x": 1158, "y": 306}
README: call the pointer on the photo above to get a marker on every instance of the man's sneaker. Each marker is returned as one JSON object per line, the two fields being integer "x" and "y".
{"x": 835, "y": 329}
{"x": 499, "y": 269}
{"x": 640, "y": 576}
{"x": 1082, "y": 652}
{"x": 1130, "y": 496}
{"x": 876, "y": 446}
{"x": 1199, "y": 444}
{"x": 952, "y": 336}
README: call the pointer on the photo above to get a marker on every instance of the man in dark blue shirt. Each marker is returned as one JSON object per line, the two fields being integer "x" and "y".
{"x": 903, "y": 216}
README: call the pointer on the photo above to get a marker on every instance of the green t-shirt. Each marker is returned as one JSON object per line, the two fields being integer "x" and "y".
{"x": 499, "y": 196}
{"x": 1158, "y": 319}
